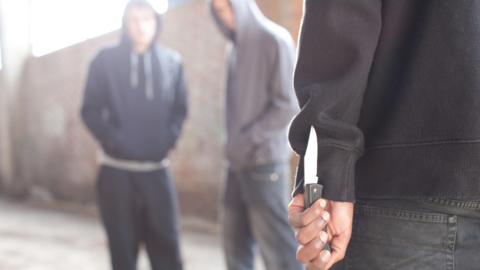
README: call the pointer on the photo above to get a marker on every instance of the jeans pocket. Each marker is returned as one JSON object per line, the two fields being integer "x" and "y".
{"x": 389, "y": 238}
{"x": 266, "y": 185}
{"x": 271, "y": 172}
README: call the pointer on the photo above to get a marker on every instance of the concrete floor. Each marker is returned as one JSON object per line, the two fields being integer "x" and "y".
{"x": 34, "y": 238}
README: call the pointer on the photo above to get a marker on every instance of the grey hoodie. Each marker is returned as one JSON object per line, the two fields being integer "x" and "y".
{"x": 260, "y": 95}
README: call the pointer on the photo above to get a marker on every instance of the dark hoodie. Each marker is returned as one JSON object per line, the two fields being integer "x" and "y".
{"x": 392, "y": 88}
{"x": 135, "y": 105}
{"x": 260, "y": 96}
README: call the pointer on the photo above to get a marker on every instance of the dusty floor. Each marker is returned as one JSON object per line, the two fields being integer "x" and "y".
{"x": 34, "y": 238}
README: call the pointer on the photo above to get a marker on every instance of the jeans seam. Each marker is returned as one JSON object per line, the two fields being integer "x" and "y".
{"x": 382, "y": 242}
{"x": 451, "y": 242}
{"x": 472, "y": 205}
{"x": 402, "y": 214}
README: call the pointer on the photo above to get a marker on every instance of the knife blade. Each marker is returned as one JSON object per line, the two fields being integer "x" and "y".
{"x": 312, "y": 190}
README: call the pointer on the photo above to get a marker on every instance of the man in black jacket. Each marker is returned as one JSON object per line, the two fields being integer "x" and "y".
{"x": 391, "y": 88}
{"x": 135, "y": 106}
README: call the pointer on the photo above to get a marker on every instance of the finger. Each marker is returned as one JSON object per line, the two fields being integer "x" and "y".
{"x": 312, "y": 267}
{"x": 313, "y": 230}
{"x": 310, "y": 251}
{"x": 297, "y": 202}
{"x": 296, "y": 205}
{"x": 302, "y": 218}
{"x": 320, "y": 262}
{"x": 339, "y": 246}
{"x": 295, "y": 209}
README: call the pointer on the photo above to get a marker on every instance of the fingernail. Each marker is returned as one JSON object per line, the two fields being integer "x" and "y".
{"x": 325, "y": 216}
{"x": 325, "y": 256}
{"x": 323, "y": 236}
{"x": 323, "y": 203}
{"x": 321, "y": 224}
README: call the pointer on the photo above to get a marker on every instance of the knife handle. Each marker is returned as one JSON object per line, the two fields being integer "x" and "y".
{"x": 312, "y": 193}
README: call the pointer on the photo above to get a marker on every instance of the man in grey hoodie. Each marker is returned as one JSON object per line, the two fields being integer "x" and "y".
{"x": 260, "y": 105}
{"x": 135, "y": 106}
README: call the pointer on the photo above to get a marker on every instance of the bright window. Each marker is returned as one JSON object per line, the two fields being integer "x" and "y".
{"x": 1, "y": 56}
{"x": 1, "y": 49}
{"x": 56, "y": 24}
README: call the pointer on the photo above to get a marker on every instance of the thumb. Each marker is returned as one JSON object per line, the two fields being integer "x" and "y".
{"x": 338, "y": 247}
{"x": 295, "y": 209}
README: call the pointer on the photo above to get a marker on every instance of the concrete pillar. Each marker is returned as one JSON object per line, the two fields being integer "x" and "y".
{"x": 14, "y": 29}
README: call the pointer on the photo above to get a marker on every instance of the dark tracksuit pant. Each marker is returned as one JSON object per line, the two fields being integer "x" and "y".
{"x": 139, "y": 207}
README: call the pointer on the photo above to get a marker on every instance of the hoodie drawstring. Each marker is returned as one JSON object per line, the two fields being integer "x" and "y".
{"x": 134, "y": 71}
{"x": 148, "y": 76}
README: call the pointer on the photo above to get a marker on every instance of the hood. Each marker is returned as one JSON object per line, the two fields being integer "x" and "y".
{"x": 148, "y": 57}
{"x": 259, "y": 90}
{"x": 125, "y": 39}
{"x": 248, "y": 19}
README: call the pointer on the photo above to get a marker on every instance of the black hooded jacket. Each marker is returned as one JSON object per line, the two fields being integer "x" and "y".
{"x": 135, "y": 105}
{"x": 393, "y": 90}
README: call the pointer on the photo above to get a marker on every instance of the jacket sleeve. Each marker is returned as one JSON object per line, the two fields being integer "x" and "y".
{"x": 337, "y": 46}
{"x": 180, "y": 107}
{"x": 282, "y": 105}
{"x": 95, "y": 107}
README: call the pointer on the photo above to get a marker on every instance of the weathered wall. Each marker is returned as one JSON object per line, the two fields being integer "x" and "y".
{"x": 285, "y": 12}
{"x": 54, "y": 156}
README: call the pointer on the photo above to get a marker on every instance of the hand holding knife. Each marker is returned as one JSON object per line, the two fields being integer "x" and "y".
{"x": 312, "y": 190}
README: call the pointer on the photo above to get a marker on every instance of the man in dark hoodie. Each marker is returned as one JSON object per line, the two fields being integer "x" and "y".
{"x": 392, "y": 89}
{"x": 135, "y": 106}
{"x": 260, "y": 105}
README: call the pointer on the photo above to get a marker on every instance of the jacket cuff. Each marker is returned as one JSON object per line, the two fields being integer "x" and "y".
{"x": 336, "y": 172}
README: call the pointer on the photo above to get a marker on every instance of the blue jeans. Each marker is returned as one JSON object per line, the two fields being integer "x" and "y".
{"x": 255, "y": 211}
{"x": 414, "y": 235}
